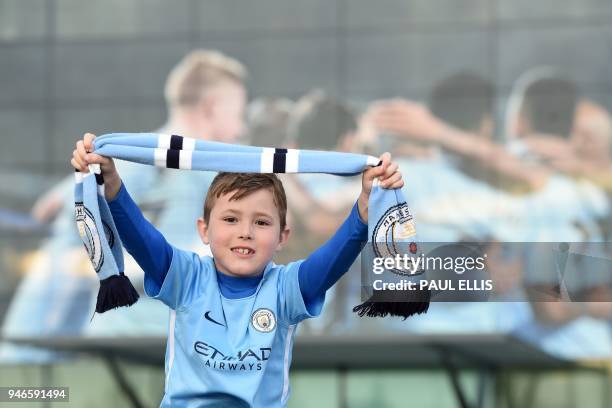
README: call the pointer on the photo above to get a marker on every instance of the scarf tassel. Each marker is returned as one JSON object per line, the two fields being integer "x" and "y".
{"x": 405, "y": 309}
{"x": 116, "y": 291}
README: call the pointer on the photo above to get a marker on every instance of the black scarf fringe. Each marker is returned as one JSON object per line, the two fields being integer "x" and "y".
{"x": 405, "y": 309}
{"x": 115, "y": 291}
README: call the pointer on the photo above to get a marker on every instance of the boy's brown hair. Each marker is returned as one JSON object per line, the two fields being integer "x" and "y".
{"x": 243, "y": 184}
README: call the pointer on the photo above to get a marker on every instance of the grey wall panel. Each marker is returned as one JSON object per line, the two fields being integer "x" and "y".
{"x": 95, "y": 19}
{"x": 526, "y": 10}
{"x": 22, "y": 19}
{"x": 284, "y": 66}
{"x": 223, "y": 15}
{"x": 72, "y": 123}
{"x": 114, "y": 71}
{"x": 23, "y": 138}
{"x": 22, "y": 73}
{"x": 583, "y": 53}
{"x": 395, "y": 64}
{"x": 391, "y": 13}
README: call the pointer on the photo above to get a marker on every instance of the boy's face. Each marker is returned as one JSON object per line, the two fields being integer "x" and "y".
{"x": 243, "y": 234}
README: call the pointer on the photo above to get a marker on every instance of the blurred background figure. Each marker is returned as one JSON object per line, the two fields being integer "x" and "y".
{"x": 453, "y": 186}
{"x": 205, "y": 97}
{"x": 320, "y": 122}
{"x": 268, "y": 121}
{"x": 585, "y": 156}
{"x": 542, "y": 102}
{"x": 587, "y": 152}
{"x": 466, "y": 101}
{"x": 592, "y": 143}
{"x": 592, "y": 159}
{"x": 460, "y": 123}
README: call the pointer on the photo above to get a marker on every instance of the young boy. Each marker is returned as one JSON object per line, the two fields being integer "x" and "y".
{"x": 233, "y": 315}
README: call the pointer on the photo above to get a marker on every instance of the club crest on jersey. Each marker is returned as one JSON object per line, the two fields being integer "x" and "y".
{"x": 263, "y": 320}
{"x": 394, "y": 227}
{"x": 90, "y": 236}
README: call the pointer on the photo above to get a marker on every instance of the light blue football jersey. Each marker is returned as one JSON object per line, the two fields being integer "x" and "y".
{"x": 229, "y": 352}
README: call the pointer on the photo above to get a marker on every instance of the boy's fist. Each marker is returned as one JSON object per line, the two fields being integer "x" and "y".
{"x": 388, "y": 176}
{"x": 82, "y": 157}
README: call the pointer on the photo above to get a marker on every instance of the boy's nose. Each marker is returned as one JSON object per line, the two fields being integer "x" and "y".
{"x": 245, "y": 231}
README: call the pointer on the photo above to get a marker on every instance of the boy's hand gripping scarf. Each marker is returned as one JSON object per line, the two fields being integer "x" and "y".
{"x": 99, "y": 234}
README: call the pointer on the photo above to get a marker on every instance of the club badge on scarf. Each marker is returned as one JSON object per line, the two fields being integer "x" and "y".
{"x": 389, "y": 216}
{"x": 391, "y": 232}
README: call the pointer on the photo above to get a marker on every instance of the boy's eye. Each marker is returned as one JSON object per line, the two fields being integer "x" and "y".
{"x": 229, "y": 219}
{"x": 262, "y": 222}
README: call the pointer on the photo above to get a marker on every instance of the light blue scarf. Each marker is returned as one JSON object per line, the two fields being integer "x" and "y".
{"x": 99, "y": 234}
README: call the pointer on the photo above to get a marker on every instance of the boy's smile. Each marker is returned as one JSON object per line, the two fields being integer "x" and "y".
{"x": 243, "y": 234}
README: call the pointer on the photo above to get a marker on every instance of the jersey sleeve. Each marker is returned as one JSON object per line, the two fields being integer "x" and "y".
{"x": 140, "y": 238}
{"x": 293, "y": 309}
{"x": 185, "y": 281}
{"x": 325, "y": 266}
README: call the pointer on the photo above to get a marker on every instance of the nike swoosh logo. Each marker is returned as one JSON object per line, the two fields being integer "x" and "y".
{"x": 207, "y": 317}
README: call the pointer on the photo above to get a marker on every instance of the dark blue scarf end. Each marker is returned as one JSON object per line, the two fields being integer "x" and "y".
{"x": 115, "y": 292}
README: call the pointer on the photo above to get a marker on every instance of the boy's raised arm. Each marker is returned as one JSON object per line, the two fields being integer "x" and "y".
{"x": 141, "y": 239}
{"x": 326, "y": 265}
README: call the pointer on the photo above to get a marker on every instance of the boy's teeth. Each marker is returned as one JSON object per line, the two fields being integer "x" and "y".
{"x": 243, "y": 251}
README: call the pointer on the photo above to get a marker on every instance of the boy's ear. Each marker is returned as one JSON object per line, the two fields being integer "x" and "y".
{"x": 203, "y": 230}
{"x": 284, "y": 237}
